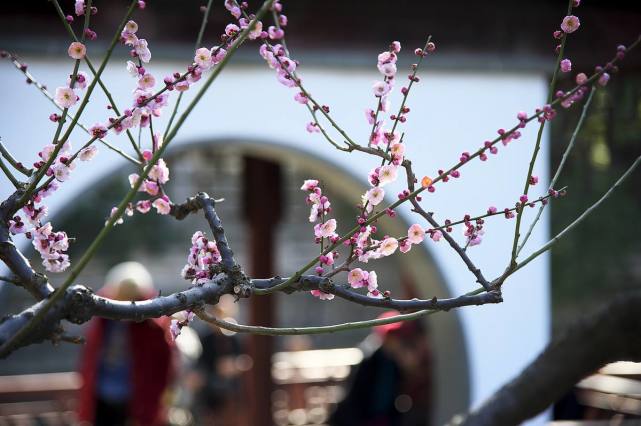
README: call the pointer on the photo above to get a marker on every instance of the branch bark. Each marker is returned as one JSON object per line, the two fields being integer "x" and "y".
{"x": 611, "y": 334}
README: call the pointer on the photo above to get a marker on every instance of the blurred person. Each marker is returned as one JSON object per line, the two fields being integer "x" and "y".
{"x": 126, "y": 366}
{"x": 217, "y": 380}
{"x": 392, "y": 385}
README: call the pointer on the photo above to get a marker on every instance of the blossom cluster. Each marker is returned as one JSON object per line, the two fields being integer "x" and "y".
{"x": 203, "y": 256}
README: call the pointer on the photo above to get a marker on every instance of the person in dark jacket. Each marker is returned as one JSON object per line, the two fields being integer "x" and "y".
{"x": 391, "y": 387}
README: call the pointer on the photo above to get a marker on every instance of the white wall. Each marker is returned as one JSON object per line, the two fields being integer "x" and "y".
{"x": 451, "y": 112}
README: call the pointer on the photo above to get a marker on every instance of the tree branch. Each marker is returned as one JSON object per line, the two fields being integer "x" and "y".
{"x": 611, "y": 334}
{"x": 217, "y": 229}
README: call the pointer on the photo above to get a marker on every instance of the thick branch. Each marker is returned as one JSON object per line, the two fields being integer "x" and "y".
{"x": 494, "y": 296}
{"x": 611, "y": 334}
{"x": 314, "y": 282}
{"x": 35, "y": 283}
{"x": 217, "y": 229}
{"x": 79, "y": 304}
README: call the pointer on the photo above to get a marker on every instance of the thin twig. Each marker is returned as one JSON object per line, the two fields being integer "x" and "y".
{"x": 537, "y": 145}
{"x": 566, "y": 154}
{"x": 581, "y": 218}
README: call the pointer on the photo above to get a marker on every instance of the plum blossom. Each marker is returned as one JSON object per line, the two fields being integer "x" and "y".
{"x": 325, "y": 230}
{"x": 566, "y": 65}
{"x": 61, "y": 171}
{"x": 387, "y": 174}
{"x": 436, "y": 236}
{"x": 52, "y": 247}
{"x": 132, "y": 69}
{"x": 570, "y": 24}
{"x": 81, "y": 80}
{"x": 375, "y": 196}
{"x": 77, "y": 50}
{"x": 179, "y": 320}
{"x": 142, "y": 50}
{"x": 381, "y": 88}
{"x": 160, "y": 172}
{"x": 233, "y": 8}
{"x": 147, "y": 81}
{"x": 16, "y": 225}
{"x": 356, "y": 278}
{"x": 131, "y": 27}
{"x": 79, "y": 7}
{"x": 322, "y": 295}
{"x": 162, "y": 205}
{"x": 309, "y": 185}
{"x": 203, "y": 58}
{"x": 65, "y": 97}
{"x": 415, "y": 234}
{"x": 203, "y": 255}
{"x": 388, "y": 246}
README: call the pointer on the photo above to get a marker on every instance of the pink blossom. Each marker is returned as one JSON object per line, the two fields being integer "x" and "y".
{"x": 81, "y": 80}
{"x": 162, "y": 205}
{"x": 147, "y": 81}
{"x": 395, "y": 46}
{"x": 301, "y": 98}
{"x": 77, "y": 50}
{"x": 309, "y": 185}
{"x": 322, "y": 295}
{"x": 16, "y": 225}
{"x": 61, "y": 172}
{"x": 375, "y": 195}
{"x": 581, "y": 78}
{"x": 387, "y": 57}
{"x": 217, "y": 54}
{"x": 275, "y": 33}
{"x": 404, "y": 246}
{"x": 133, "y": 178}
{"x": 182, "y": 86}
{"x": 387, "y": 69}
{"x": 325, "y": 230}
{"x": 233, "y": 8}
{"x": 98, "y": 130}
{"x": 132, "y": 69}
{"x": 387, "y": 174}
{"x": 372, "y": 280}
{"x": 203, "y": 58}
{"x": 88, "y": 153}
{"x": 375, "y": 294}
{"x": 415, "y": 234}
{"x": 65, "y": 97}
{"x": 232, "y": 29}
{"x": 312, "y": 127}
{"x": 355, "y": 278}
{"x": 388, "y": 246}
{"x": 398, "y": 150}
{"x": 160, "y": 172}
{"x": 436, "y": 236}
{"x": 370, "y": 116}
{"x": 143, "y": 52}
{"x": 143, "y": 206}
{"x": 131, "y": 27}
{"x": 570, "y": 24}
{"x": 79, "y": 7}
{"x": 381, "y": 88}
{"x": 566, "y": 65}
{"x": 150, "y": 187}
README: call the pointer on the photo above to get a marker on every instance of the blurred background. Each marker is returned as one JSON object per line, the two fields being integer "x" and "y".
{"x": 306, "y": 377}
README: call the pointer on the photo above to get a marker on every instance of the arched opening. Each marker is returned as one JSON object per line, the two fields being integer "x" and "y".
{"x": 216, "y": 166}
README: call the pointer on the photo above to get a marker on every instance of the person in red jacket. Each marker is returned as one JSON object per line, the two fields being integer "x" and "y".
{"x": 126, "y": 366}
